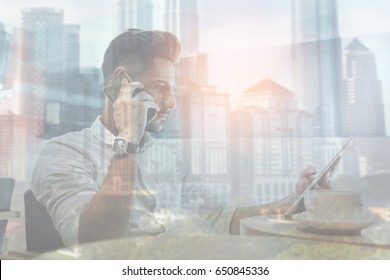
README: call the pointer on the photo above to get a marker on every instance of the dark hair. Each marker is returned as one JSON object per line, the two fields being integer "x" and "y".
{"x": 137, "y": 49}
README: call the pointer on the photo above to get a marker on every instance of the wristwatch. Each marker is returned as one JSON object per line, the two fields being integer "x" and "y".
{"x": 122, "y": 147}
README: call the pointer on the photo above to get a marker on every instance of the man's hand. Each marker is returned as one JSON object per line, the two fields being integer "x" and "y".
{"x": 308, "y": 175}
{"x": 324, "y": 182}
{"x": 305, "y": 178}
{"x": 130, "y": 113}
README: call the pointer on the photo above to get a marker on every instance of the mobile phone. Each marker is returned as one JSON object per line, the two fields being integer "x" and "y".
{"x": 112, "y": 91}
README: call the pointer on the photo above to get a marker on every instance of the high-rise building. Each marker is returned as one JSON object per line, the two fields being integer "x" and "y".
{"x": 194, "y": 68}
{"x": 365, "y": 110}
{"x": 71, "y": 75}
{"x": 44, "y": 38}
{"x": 43, "y": 64}
{"x": 136, "y": 14}
{"x": 59, "y": 97}
{"x": 365, "y": 116}
{"x": 271, "y": 142}
{"x": 181, "y": 19}
{"x": 13, "y": 148}
{"x": 71, "y": 47}
{"x": 201, "y": 120}
{"x": 316, "y": 60}
{"x": 14, "y": 124}
{"x": 80, "y": 103}
{"x": 5, "y": 40}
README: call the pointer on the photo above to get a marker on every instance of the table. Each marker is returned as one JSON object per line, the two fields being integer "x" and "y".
{"x": 377, "y": 235}
{"x": 216, "y": 247}
{"x": 5, "y": 215}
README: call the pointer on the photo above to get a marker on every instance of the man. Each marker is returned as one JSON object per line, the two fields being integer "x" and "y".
{"x": 93, "y": 182}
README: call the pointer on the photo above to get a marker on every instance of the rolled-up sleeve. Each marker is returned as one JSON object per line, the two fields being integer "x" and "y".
{"x": 220, "y": 219}
{"x": 63, "y": 181}
{"x": 214, "y": 219}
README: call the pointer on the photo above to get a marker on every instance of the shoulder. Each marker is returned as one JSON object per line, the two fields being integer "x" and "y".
{"x": 72, "y": 139}
{"x": 68, "y": 151}
{"x": 76, "y": 143}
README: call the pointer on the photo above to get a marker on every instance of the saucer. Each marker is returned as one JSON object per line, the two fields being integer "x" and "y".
{"x": 281, "y": 219}
{"x": 352, "y": 226}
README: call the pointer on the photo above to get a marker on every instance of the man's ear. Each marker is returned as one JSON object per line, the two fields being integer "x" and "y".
{"x": 118, "y": 71}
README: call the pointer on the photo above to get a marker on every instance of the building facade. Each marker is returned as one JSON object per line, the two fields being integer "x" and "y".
{"x": 316, "y": 60}
{"x": 181, "y": 18}
{"x": 42, "y": 67}
{"x": 5, "y": 41}
{"x": 271, "y": 142}
{"x": 136, "y": 14}
{"x": 365, "y": 109}
{"x": 365, "y": 116}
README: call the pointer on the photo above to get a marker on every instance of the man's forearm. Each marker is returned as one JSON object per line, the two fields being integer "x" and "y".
{"x": 107, "y": 215}
{"x": 276, "y": 207}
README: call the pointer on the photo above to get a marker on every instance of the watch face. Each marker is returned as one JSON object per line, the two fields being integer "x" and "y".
{"x": 120, "y": 146}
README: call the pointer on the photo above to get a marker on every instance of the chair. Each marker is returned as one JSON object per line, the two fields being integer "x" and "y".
{"x": 41, "y": 235}
{"x": 6, "y": 190}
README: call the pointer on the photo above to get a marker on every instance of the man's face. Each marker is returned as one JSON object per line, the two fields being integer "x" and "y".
{"x": 159, "y": 83}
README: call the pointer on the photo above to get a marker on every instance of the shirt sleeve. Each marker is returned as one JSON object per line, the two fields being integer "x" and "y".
{"x": 63, "y": 182}
{"x": 219, "y": 219}
{"x": 216, "y": 219}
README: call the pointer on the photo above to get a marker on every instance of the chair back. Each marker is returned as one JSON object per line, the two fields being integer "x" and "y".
{"x": 6, "y": 190}
{"x": 41, "y": 235}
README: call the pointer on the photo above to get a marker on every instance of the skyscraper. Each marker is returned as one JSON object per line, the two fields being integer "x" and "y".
{"x": 365, "y": 112}
{"x": 44, "y": 60}
{"x": 181, "y": 19}
{"x": 269, "y": 142}
{"x": 71, "y": 75}
{"x": 5, "y": 39}
{"x": 71, "y": 47}
{"x": 194, "y": 68}
{"x": 316, "y": 59}
{"x": 13, "y": 124}
{"x": 133, "y": 14}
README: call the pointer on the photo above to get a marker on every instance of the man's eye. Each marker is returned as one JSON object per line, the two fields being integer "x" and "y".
{"x": 159, "y": 87}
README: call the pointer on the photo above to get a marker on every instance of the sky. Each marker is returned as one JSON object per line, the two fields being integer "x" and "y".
{"x": 247, "y": 40}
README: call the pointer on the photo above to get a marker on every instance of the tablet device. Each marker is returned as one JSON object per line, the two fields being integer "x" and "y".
{"x": 334, "y": 161}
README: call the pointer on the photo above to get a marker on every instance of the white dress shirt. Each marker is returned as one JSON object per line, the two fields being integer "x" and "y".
{"x": 71, "y": 169}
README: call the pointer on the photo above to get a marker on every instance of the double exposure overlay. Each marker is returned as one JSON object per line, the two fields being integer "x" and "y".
{"x": 239, "y": 99}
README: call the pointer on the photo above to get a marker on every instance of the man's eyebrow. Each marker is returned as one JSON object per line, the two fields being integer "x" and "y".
{"x": 164, "y": 82}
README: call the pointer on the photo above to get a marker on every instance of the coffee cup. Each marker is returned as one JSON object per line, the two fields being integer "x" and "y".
{"x": 333, "y": 205}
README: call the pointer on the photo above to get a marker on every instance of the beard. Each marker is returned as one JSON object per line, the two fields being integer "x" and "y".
{"x": 156, "y": 125}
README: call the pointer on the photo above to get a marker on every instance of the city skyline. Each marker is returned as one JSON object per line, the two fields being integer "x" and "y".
{"x": 54, "y": 108}
{"x": 177, "y": 23}
{"x": 255, "y": 36}
{"x": 271, "y": 20}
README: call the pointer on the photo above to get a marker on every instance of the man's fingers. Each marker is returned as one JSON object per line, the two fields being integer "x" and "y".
{"x": 309, "y": 171}
{"x": 135, "y": 85}
{"x": 143, "y": 96}
{"x": 152, "y": 105}
{"x": 335, "y": 164}
{"x": 127, "y": 88}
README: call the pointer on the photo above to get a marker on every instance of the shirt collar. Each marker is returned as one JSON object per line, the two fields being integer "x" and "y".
{"x": 104, "y": 135}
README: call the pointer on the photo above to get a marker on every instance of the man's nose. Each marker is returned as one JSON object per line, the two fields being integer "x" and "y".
{"x": 170, "y": 101}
